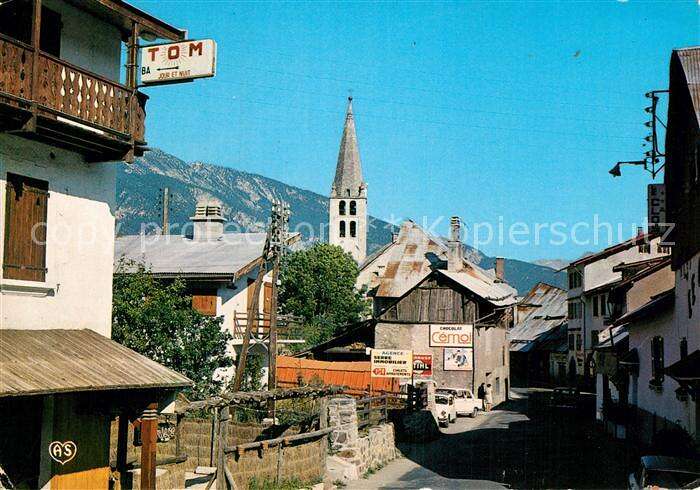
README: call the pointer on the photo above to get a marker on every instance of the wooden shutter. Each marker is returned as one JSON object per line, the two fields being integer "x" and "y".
{"x": 267, "y": 301}
{"x": 205, "y": 303}
{"x": 657, "y": 358}
{"x": 25, "y": 228}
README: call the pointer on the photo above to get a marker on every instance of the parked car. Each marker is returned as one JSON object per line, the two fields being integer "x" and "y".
{"x": 465, "y": 401}
{"x": 665, "y": 472}
{"x": 565, "y": 398}
{"x": 445, "y": 409}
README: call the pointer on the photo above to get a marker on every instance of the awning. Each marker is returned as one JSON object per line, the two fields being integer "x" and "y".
{"x": 40, "y": 362}
{"x": 687, "y": 369}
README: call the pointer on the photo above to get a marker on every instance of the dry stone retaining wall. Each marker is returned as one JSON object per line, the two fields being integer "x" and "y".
{"x": 355, "y": 453}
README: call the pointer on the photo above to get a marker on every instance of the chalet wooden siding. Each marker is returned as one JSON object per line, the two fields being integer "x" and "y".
{"x": 433, "y": 301}
{"x": 25, "y": 228}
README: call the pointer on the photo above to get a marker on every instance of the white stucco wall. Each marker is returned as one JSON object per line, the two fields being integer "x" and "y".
{"x": 687, "y": 313}
{"x": 80, "y": 243}
{"x": 664, "y": 403}
{"x": 87, "y": 41}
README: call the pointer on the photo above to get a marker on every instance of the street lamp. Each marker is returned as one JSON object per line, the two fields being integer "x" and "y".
{"x": 616, "y": 172}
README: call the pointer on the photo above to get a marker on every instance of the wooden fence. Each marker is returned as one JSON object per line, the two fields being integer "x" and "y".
{"x": 372, "y": 411}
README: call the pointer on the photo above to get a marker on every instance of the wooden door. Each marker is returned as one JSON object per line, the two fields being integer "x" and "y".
{"x": 93, "y": 479}
{"x": 267, "y": 301}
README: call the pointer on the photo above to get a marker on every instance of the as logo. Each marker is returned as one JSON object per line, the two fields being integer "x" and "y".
{"x": 62, "y": 452}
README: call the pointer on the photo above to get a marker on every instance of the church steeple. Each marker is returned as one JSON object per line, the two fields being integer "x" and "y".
{"x": 348, "y": 172}
{"x": 347, "y": 211}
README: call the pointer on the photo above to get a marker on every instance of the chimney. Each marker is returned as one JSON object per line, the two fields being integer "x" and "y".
{"x": 454, "y": 252}
{"x": 208, "y": 220}
{"x": 500, "y": 269}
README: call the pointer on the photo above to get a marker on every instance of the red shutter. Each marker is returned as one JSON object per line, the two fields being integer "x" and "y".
{"x": 25, "y": 229}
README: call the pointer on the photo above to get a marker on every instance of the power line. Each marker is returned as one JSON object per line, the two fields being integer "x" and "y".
{"x": 403, "y": 87}
{"x": 429, "y": 106}
{"x": 419, "y": 121}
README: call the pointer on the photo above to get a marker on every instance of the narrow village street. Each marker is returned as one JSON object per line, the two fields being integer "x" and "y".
{"x": 518, "y": 445}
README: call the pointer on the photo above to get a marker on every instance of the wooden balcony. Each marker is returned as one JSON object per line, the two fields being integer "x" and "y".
{"x": 66, "y": 106}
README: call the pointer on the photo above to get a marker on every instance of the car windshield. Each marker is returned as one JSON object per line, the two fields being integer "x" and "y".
{"x": 442, "y": 400}
{"x": 669, "y": 479}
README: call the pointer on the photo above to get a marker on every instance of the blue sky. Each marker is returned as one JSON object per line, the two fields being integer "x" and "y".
{"x": 493, "y": 111}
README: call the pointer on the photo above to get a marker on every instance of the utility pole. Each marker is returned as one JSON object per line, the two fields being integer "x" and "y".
{"x": 275, "y": 244}
{"x": 165, "y": 228}
{"x": 280, "y": 224}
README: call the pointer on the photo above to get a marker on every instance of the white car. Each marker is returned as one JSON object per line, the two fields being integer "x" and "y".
{"x": 665, "y": 472}
{"x": 445, "y": 409}
{"x": 465, "y": 401}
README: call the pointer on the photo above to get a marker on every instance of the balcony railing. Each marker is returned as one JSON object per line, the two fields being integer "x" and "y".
{"x": 62, "y": 89}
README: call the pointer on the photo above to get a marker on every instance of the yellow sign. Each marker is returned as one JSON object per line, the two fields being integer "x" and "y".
{"x": 390, "y": 363}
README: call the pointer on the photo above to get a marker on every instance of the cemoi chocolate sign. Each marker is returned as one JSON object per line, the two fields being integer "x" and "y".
{"x": 391, "y": 363}
{"x": 455, "y": 335}
{"x": 178, "y": 62}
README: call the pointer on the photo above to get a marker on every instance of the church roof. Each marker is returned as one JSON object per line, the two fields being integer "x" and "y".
{"x": 348, "y": 173}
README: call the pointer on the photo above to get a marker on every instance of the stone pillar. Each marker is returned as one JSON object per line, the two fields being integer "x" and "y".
{"x": 342, "y": 417}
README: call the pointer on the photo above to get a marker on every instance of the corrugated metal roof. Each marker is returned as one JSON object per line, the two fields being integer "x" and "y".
{"x": 34, "y": 362}
{"x": 690, "y": 61}
{"x": 416, "y": 254}
{"x": 548, "y": 315}
{"x": 176, "y": 254}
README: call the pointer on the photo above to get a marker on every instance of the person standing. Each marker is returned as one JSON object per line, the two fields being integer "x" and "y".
{"x": 488, "y": 397}
{"x": 481, "y": 391}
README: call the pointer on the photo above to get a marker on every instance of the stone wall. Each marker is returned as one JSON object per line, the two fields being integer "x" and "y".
{"x": 304, "y": 461}
{"x": 355, "y": 452}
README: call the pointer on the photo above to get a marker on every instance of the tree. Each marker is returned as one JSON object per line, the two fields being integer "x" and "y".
{"x": 318, "y": 285}
{"x": 156, "y": 319}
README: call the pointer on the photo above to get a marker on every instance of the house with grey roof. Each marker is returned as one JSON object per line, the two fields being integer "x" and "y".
{"x": 218, "y": 268}
{"x": 538, "y": 341}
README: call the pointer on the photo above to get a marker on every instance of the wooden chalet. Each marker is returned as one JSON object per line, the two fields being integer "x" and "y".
{"x": 60, "y": 76}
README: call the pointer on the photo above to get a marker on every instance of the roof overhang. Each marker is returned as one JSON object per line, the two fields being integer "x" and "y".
{"x": 42, "y": 362}
{"x": 123, "y": 15}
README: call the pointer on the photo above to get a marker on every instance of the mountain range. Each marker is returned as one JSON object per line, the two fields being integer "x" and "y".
{"x": 247, "y": 198}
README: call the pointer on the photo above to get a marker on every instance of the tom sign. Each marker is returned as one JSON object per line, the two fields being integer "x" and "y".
{"x": 391, "y": 363}
{"x": 178, "y": 62}
{"x": 454, "y": 335}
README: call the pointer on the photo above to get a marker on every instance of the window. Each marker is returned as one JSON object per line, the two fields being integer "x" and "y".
{"x": 25, "y": 228}
{"x": 575, "y": 310}
{"x": 341, "y": 208}
{"x": 353, "y": 229}
{"x": 595, "y": 305}
{"x": 603, "y": 304}
{"x": 205, "y": 302}
{"x": 574, "y": 279}
{"x": 16, "y": 22}
{"x": 342, "y": 229}
{"x": 353, "y": 208}
{"x": 572, "y": 342}
{"x": 579, "y": 344}
{"x": 594, "y": 338}
{"x": 657, "y": 359}
{"x": 50, "y": 37}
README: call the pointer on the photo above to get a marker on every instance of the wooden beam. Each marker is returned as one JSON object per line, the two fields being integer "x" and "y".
{"x": 36, "y": 43}
{"x": 122, "y": 441}
{"x": 149, "y": 441}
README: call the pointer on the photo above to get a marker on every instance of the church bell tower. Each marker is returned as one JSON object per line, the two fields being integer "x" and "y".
{"x": 348, "y": 202}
